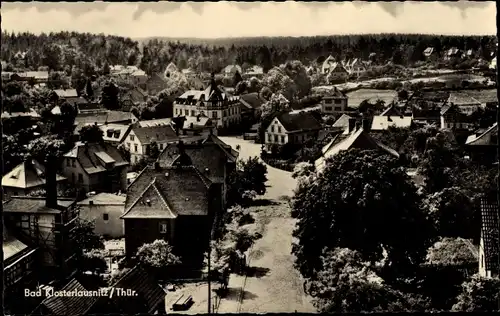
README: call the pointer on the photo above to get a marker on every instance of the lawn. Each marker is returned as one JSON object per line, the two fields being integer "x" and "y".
{"x": 358, "y": 96}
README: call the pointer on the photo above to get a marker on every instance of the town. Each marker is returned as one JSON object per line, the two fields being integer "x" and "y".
{"x": 325, "y": 174}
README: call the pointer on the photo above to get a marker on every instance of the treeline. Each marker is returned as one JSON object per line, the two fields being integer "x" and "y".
{"x": 91, "y": 52}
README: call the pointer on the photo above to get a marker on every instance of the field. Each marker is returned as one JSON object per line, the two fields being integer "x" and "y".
{"x": 356, "y": 97}
{"x": 450, "y": 77}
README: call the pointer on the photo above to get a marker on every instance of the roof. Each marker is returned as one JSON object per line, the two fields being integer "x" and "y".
{"x": 384, "y": 122}
{"x": 462, "y": 98}
{"x": 11, "y": 246}
{"x": 104, "y": 199}
{"x": 70, "y": 304}
{"x": 231, "y": 153}
{"x": 342, "y": 121}
{"x": 358, "y": 139}
{"x": 199, "y": 121}
{"x": 149, "y": 294}
{"x": 229, "y": 68}
{"x": 156, "y": 122}
{"x": 391, "y": 111}
{"x": 302, "y": 121}
{"x": 93, "y": 157}
{"x": 251, "y": 100}
{"x": 22, "y": 204}
{"x": 335, "y": 93}
{"x": 171, "y": 191}
{"x": 30, "y": 113}
{"x": 84, "y": 105}
{"x": 114, "y": 132}
{"x": 489, "y": 230}
{"x": 429, "y": 50}
{"x": 67, "y": 93}
{"x": 211, "y": 92}
{"x": 485, "y": 138}
{"x": 28, "y": 174}
{"x": 38, "y": 74}
{"x": 104, "y": 117}
{"x": 155, "y": 133}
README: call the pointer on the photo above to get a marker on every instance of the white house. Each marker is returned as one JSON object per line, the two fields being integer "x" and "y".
{"x": 104, "y": 209}
{"x": 337, "y": 73}
{"x": 335, "y": 102}
{"x": 428, "y": 51}
{"x": 493, "y": 63}
{"x": 287, "y": 128}
{"x": 230, "y": 70}
{"x": 139, "y": 139}
{"x": 328, "y": 65}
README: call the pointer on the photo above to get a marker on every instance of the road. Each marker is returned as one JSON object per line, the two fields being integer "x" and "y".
{"x": 274, "y": 285}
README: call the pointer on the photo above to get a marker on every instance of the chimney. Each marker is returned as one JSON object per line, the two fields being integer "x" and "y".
{"x": 198, "y": 118}
{"x": 366, "y": 124}
{"x": 50, "y": 183}
{"x": 180, "y": 146}
{"x": 157, "y": 165}
{"x": 352, "y": 125}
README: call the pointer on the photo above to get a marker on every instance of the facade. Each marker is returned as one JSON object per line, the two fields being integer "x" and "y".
{"x": 139, "y": 139}
{"x": 488, "y": 254}
{"x": 337, "y": 73}
{"x": 95, "y": 167}
{"x": 155, "y": 84}
{"x": 105, "y": 210}
{"x": 483, "y": 147}
{"x": 114, "y": 133}
{"x": 334, "y": 103}
{"x": 251, "y": 105}
{"x": 466, "y": 103}
{"x": 26, "y": 178}
{"x": 453, "y": 118}
{"x": 212, "y": 102}
{"x": 287, "y": 128}
{"x": 328, "y": 65}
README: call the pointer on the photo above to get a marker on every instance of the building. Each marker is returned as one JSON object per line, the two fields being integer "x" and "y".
{"x": 198, "y": 126}
{"x": 488, "y": 244}
{"x": 453, "y": 118}
{"x": 176, "y": 204}
{"x": 155, "y": 84}
{"x": 104, "y": 209}
{"x": 254, "y": 71}
{"x": 138, "y": 141}
{"x": 342, "y": 123}
{"x": 212, "y": 102}
{"x": 428, "y": 51}
{"x": 493, "y": 63}
{"x": 230, "y": 70}
{"x": 465, "y": 102}
{"x": 356, "y": 138}
{"x": 47, "y": 224}
{"x": 135, "y": 96}
{"x": 337, "y": 73}
{"x": 114, "y": 133}
{"x": 117, "y": 117}
{"x": 452, "y": 53}
{"x": 31, "y": 115}
{"x": 155, "y": 122}
{"x": 96, "y": 167}
{"x": 26, "y": 178}
{"x": 171, "y": 68}
{"x": 355, "y": 67}
{"x": 483, "y": 147}
{"x": 384, "y": 122}
{"x": 287, "y": 128}
{"x": 335, "y": 102}
{"x": 328, "y": 65}
{"x": 251, "y": 105}
{"x": 213, "y": 158}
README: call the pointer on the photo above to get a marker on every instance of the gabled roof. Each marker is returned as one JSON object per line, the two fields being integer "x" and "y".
{"x": 342, "y": 121}
{"x": 358, "y": 139}
{"x": 484, "y": 138}
{"x": 70, "y": 304}
{"x": 104, "y": 117}
{"x": 28, "y": 174}
{"x": 489, "y": 230}
{"x": 93, "y": 157}
{"x": 180, "y": 190}
{"x": 302, "y": 121}
{"x": 462, "y": 98}
{"x": 67, "y": 93}
{"x": 22, "y": 204}
{"x": 384, "y": 122}
{"x": 251, "y": 100}
{"x": 428, "y": 50}
{"x": 11, "y": 246}
{"x": 155, "y": 133}
{"x": 391, "y": 111}
{"x": 114, "y": 132}
{"x": 231, "y": 153}
{"x": 156, "y": 122}
{"x": 104, "y": 199}
{"x": 200, "y": 121}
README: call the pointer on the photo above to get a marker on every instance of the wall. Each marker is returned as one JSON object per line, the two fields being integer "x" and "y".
{"x": 72, "y": 171}
{"x": 141, "y": 231}
{"x": 277, "y": 132}
{"x": 11, "y": 191}
{"x": 333, "y": 107}
{"x": 113, "y": 227}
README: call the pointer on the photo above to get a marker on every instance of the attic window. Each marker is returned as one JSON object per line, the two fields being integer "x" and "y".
{"x": 148, "y": 202}
{"x": 187, "y": 199}
{"x": 166, "y": 174}
{"x": 206, "y": 169}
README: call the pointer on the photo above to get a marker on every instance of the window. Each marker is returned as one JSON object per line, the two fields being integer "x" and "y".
{"x": 135, "y": 148}
{"x": 283, "y": 139}
{"x": 15, "y": 193}
{"x": 105, "y": 216}
{"x": 272, "y": 129}
{"x": 192, "y": 113}
{"x": 161, "y": 146}
{"x": 132, "y": 137}
{"x": 73, "y": 162}
{"x": 338, "y": 108}
{"x": 68, "y": 162}
{"x": 338, "y": 101}
{"x": 279, "y": 129}
{"x": 269, "y": 138}
{"x": 214, "y": 114}
{"x": 328, "y": 108}
{"x": 275, "y": 138}
{"x": 128, "y": 145}
{"x": 186, "y": 112}
{"x": 80, "y": 177}
{"x": 328, "y": 101}
{"x": 163, "y": 228}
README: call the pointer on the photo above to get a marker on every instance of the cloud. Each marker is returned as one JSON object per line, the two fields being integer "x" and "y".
{"x": 239, "y": 19}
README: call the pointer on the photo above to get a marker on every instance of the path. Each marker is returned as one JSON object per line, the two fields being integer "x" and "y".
{"x": 274, "y": 285}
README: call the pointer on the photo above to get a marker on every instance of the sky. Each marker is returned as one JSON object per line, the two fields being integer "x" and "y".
{"x": 233, "y": 19}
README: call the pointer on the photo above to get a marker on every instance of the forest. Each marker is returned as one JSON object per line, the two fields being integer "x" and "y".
{"x": 91, "y": 52}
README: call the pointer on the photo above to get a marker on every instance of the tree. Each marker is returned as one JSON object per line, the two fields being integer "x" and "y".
{"x": 348, "y": 205}
{"x": 237, "y": 78}
{"x": 94, "y": 261}
{"x": 154, "y": 150}
{"x": 109, "y": 96}
{"x": 451, "y": 252}
{"x": 478, "y": 295}
{"x": 91, "y": 134}
{"x": 84, "y": 236}
{"x": 250, "y": 175}
{"x": 157, "y": 254}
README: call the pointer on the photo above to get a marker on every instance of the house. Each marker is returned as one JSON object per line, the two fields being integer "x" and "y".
{"x": 230, "y": 70}
{"x": 452, "y": 117}
{"x": 483, "y": 146}
{"x": 139, "y": 139}
{"x": 83, "y": 106}
{"x": 171, "y": 203}
{"x": 342, "y": 122}
{"x": 335, "y": 102}
{"x": 383, "y": 122}
{"x": 468, "y": 53}
{"x": 328, "y": 65}
{"x": 189, "y": 73}
{"x": 131, "y": 177}
{"x": 148, "y": 298}
{"x": 488, "y": 245}
{"x": 337, "y": 73}
{"x": 211, "y": 156}
{"x": 355, "y": 67}
{"x": 116, "y": 117}
{"x": 493, "y": 63}
{"x": 466, "y": 103}
{"x": 104, "y": 209}
{"x": 357, "y": 138}
{"x": 63, "y": 94}
{"x": 155, "y": 84}
{"x": 138, "y": 77}
{"x": 287, "y": 128}
{"x": 155, "y": 122}
{"x": 28, "y": 177}
{"x": 427, "y": 116}
{"x": 31, "y": 114}
{"x": 45, "y": 223}
{"x": 428, "y": 51}
{"x": 254, "y": 71}
{"x": 199, "y": 125}
{"x": 452, "y": 53}
{"x": 114, "y": 133}
{"x": 212, "y": 102}
{"x": 171, "y": 68}
{"x": 96, "y": 167}
{"x": 251, "y": 105}
{"x": 136, "y": 95}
